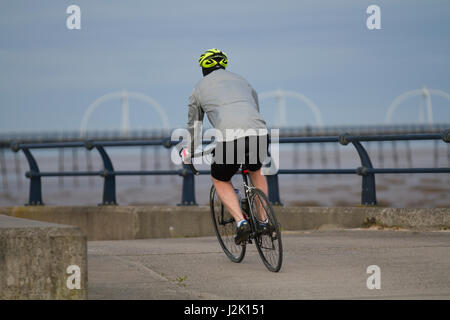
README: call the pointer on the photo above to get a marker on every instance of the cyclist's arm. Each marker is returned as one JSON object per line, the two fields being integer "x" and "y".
{"x": 194, "y": 125}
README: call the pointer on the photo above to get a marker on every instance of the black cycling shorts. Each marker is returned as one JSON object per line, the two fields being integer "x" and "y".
{"x": 230, "y": 155}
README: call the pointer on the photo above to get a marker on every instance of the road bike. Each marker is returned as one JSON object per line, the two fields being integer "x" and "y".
{"x": 254, "y": 205}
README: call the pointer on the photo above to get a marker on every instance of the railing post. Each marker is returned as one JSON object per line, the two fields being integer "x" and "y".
{"x": 368, "y": 192}
{"x": 446, "y": 138}
{"x": 35, "y": 196}
{"x": 188, "y": 191}
{"x": 446, "y": 135}
{"x": 3, "y": 169}
{"x": 274, "y": 194}
{"x": 273, "y": 186}
{"x": 109, "y": 184}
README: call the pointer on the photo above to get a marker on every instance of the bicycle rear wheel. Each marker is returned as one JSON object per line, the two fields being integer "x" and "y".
{"x": 268, "y": 240}
{"x": 225, "y": 228}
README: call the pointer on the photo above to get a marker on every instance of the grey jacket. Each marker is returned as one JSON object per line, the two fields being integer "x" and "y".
{"x": 229, "y": 102}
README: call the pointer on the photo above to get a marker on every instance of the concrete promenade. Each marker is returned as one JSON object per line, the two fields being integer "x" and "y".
{"x": 317, "y": 265}
{"x": 168, "y": 252}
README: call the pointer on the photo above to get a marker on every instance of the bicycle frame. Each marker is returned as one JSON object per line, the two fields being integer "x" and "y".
{"x": 247, "y": 210}
{"x": 247, "y": 186}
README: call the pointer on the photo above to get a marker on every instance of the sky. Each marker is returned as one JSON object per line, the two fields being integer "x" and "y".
{"x": 49, "y": 75}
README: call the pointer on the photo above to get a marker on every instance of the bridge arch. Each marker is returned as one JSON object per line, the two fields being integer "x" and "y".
{"x": 124, "y": 95}
{"x": 425, "y": 92}
{"x": 280, "y": 94}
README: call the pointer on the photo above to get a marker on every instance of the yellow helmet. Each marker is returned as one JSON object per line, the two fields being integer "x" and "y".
{"x": 212, "y": 58}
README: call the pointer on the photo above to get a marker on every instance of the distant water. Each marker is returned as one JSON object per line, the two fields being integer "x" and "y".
{"x": 396, "y": 190}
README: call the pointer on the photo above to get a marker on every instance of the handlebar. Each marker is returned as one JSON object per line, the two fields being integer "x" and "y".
{"x": 196, "y": 155}
{"x": 194, "y": 171}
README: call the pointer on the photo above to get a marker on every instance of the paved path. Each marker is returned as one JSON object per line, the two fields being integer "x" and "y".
{"x": 317, "y": 265}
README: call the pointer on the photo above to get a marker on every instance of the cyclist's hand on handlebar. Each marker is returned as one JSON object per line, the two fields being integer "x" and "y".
{"x": 185, "y": 155}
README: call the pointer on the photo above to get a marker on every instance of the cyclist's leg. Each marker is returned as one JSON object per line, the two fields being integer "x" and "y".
{"x": 221, "y": 174}
{"x": 260, "y": 182}
{"x": 228, "y": 196}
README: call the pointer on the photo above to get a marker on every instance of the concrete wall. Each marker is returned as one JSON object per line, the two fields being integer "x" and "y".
{"x": 121, "y": 223}
{"x": 302, "y": 218}
{"x": 34, "y": 257}
{"x": 138, "y": 222}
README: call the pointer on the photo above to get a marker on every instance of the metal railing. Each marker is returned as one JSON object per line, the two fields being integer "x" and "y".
{"x": 366, "y": 170}
{"x": 157, "y": 134}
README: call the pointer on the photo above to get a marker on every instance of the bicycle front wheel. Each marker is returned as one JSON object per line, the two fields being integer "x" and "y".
{"x": 267, "y": 238}
{"x": 225, "y": 228}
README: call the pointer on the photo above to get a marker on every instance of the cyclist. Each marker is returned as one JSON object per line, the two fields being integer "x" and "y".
{"x": 231, "y": 105}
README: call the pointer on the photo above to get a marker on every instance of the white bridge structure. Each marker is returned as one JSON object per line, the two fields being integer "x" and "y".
{"x": 280, "y": 96}
{"x": 124, "y": 96}
{"x": 425, "y": 107}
